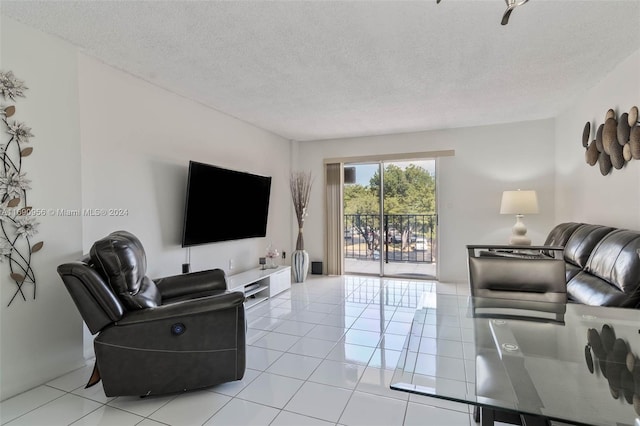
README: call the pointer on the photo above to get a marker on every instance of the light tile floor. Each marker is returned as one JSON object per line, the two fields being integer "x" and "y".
{"x": 322, "y": 353}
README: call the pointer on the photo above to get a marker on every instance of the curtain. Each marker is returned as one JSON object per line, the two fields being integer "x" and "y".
{"x": 335, "y": 234}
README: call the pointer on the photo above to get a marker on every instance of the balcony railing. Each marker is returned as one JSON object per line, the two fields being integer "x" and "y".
{"x": 406, "y": 237}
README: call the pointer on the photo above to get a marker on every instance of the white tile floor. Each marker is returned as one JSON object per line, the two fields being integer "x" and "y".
{"x": 322, "y": 353}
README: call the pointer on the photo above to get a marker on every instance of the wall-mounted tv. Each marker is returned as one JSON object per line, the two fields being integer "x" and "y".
{"x": 224, "y": 204}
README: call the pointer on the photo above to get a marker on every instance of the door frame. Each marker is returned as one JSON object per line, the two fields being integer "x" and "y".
{"x": 381, "y": 161}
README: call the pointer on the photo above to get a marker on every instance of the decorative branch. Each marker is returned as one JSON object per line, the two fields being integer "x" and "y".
{"x": 17, "y": 224}
{"x": 300, "y": 183}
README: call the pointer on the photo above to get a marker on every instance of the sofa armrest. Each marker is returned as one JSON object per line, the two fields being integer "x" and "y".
{"x": 522, "y": 279}
{"x": 520, "y": 251}
{"x": 184, "y": 308}
{"x": 194, "y": 282}
{"x": 519, "y": 309}
{"x": 510, "y": 247}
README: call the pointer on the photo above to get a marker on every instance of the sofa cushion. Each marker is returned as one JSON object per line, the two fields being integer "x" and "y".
{"x": 571, "y": 270}
{"x": 611, "y": 276}
{"x": 559, "y": 235}
{"x": 120, "y": 259}
{"x": 582, "y": 242}
{"x": 590, "y": 290}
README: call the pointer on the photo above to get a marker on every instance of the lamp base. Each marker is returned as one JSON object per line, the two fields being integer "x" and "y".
{"x": 518, "y": 233}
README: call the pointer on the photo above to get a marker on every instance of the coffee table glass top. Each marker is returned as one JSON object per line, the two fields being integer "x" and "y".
{"x": 566, "y": 362}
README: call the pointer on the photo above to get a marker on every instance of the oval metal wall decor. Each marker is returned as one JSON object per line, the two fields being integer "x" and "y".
{"x": 617, "y": 141}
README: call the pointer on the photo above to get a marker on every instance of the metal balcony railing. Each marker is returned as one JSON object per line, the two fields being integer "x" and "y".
{"x": 406, "y": 237}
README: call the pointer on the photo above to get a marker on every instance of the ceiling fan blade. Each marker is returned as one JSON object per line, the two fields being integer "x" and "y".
{"x": 513, "y": 3}
{"x": 505, "y": 17}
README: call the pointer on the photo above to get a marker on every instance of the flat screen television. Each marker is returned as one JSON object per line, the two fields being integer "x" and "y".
{"x": 224, "y": 204}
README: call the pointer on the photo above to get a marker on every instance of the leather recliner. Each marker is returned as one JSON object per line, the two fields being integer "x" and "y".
{"x": 157, "y": 336}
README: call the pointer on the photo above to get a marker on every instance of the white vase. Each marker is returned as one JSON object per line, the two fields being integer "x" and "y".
{"x": 299, "y": 265}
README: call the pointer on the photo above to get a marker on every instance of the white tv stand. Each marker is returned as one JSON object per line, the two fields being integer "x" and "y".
{"x": 260, "y": 284}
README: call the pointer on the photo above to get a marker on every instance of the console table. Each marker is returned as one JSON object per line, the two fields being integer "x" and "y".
{"x": 260, "y": 284}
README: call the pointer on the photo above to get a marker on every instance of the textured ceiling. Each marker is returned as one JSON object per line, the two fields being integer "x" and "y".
{"x": 314, "y": 70}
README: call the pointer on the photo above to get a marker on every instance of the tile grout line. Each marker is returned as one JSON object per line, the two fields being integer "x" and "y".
{"x": 41, "y": 405}
{"x": 360, "y": 378}
{"x": 368, "y": 297}
{"x": 324, "y": 359}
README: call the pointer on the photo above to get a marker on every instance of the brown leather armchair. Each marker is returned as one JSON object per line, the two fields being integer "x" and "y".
{"x": 155, "y": 336}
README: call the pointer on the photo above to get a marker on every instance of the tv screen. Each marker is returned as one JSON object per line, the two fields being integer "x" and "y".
{"x": 224, "y": 205}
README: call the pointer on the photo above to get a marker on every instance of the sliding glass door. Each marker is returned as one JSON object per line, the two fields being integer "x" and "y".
{"x": 361, "y": 219}
{"x": 389, "y": 218}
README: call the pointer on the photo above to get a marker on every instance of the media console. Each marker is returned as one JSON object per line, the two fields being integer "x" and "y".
{"x": 260, "y": 284}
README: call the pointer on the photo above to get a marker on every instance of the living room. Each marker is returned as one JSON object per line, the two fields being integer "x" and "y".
{"x": 106, "y": 138}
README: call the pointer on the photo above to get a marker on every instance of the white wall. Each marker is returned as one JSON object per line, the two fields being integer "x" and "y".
{"x": 134, "y": 141}
{"x": 137, "y": 140}
{"x": 488, "y": 160}
{"x": 582, "y": 193}
{"x": 42, "y": 338}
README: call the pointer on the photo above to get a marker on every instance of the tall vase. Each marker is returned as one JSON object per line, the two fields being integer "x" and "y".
{"x": 300, "y": 260}
{"x": 300, "y": 265}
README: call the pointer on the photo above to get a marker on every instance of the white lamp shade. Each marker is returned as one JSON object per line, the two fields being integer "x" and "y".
{"x": 519, "y": 202}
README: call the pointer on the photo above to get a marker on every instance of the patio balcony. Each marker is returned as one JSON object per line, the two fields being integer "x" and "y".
{"x": 408, "y": 243}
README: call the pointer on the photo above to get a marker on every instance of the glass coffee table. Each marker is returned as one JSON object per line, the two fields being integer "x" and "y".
{"x": 538, "y": 361}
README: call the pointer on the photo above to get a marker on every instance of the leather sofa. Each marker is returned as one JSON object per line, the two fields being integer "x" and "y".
{"x": 157, "y": 336}
{"x": 602, "y": 263}
{"x": 603, "y": 266}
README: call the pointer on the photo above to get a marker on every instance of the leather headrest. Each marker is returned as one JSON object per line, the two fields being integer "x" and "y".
{"x": 616, "y": 259}
{"x": 120, "y": 259}
{"x": 582, "y": 242}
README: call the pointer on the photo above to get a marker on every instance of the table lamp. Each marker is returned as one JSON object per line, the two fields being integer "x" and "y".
{"x": 519, "y": 203}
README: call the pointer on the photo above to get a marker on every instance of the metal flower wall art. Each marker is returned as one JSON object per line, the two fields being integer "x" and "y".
{"x": 18, "y": 225}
